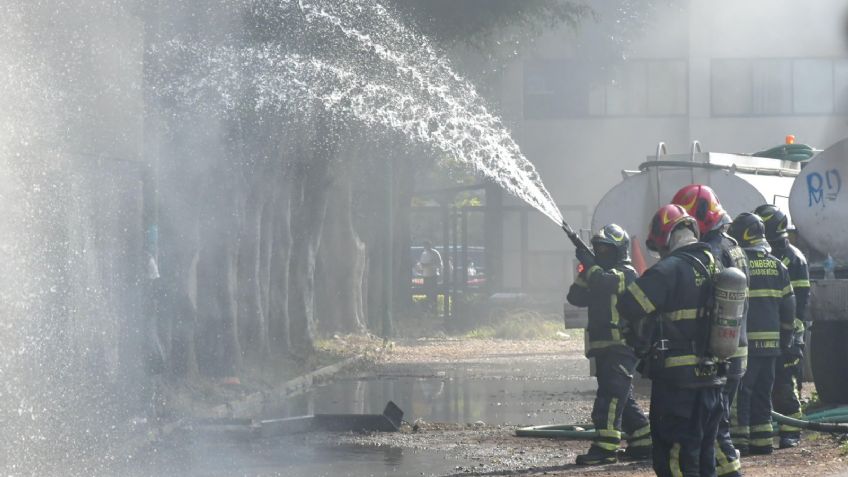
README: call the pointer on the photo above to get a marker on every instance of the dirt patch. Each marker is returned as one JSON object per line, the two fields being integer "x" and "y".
{"x": 428, "y": 351}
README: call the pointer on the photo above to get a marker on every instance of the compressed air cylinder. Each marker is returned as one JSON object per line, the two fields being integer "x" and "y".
{"x": 731, "y": 288}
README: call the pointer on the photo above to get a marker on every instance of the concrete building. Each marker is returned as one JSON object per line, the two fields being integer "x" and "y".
{"x": 736, "y": 76}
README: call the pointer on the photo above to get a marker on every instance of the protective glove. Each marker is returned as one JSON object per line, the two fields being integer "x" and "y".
{"x": 787, "y": 342}
{"x": 586, "y": 258}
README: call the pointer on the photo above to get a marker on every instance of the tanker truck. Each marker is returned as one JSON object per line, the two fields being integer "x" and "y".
{"x": 810, "y": 193}
{"x": 820, "y": 215}
{"x": 741, "y": 181}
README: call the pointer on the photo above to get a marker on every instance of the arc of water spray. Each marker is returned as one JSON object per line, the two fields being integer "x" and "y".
{"x": 521, "y": 178}
{"x": 421, "y": 96}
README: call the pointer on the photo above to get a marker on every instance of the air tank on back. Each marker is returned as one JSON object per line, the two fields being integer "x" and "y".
{"x": 742, "y": 182}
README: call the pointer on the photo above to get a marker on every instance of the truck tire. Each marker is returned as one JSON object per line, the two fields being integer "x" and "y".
{"x": 829, "y": 360}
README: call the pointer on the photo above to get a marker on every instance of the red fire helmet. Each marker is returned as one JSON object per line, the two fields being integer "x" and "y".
{"x": 667, "y": 218}
{"x": 702, "y": 203}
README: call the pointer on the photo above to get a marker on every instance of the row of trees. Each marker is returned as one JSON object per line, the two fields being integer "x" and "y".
{"x": 266, "y": 215}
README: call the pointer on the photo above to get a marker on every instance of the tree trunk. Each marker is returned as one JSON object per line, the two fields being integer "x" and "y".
{"x": 177, "y": 311}
{"x": 278, "y": 313}
{"x": 219, "y": 350}
{"x": 310, "y": 192}
{"x": 342, "y": 259}
{"x": 404, "y": 190}
{"x": 251, "y": 315}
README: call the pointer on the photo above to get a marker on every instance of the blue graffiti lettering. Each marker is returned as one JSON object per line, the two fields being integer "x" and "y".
{"x": 816, "y": 184}
{"x": 815, "y": 190}
{"x": 834, "y": 184}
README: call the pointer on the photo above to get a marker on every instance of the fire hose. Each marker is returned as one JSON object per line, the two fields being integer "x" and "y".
{"x": 831, "y": 421}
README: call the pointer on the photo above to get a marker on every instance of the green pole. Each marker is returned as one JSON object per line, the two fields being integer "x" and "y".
{"x": 388, "y": 260}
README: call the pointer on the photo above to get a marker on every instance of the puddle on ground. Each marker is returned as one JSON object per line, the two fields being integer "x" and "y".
{"x": 451, "y": 397}
{"x": 502, "y": 396}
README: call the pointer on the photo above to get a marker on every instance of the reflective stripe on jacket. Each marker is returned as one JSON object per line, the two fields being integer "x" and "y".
{"x": 669, "y": 293}
{"x": 598, "y": 289}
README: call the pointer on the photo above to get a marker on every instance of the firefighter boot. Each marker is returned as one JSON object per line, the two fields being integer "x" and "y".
{"x": 638, "y": 452}
{"x": 597, "y": 456}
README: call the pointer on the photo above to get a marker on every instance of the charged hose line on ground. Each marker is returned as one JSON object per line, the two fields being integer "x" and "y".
{"x": 826, "y": 421}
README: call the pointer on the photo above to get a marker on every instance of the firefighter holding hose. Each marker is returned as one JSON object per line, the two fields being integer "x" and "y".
{"x": 605, "y": 275}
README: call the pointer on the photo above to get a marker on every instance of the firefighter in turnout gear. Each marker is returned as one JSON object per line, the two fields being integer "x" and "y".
{"x": 789, "y": 367}
{"x": 604, "y": 277}
{"x": 664, "y": 310}
{"x": 702, "y": 203}
{"x": 771, "y": 315}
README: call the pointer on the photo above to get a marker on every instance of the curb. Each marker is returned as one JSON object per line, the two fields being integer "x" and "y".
{"x": 248, "y": 407}
{"x": 255, "y": 403}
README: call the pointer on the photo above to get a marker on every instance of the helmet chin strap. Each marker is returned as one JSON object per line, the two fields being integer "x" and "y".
{"x": 681, "y": 237}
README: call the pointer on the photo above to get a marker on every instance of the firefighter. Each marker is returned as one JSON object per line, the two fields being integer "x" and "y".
{"x": 604, "y": 277}
{"x": 771, "y": 315}
{"x": 702, "y": 203}
{"x": 789, "y": 370}
{"x": 664, "y": 313}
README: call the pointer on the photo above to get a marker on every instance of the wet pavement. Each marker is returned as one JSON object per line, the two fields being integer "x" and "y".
{"x": 495, "y": 391}
{"x": 291, "y": 456}
{"x": 454, "y": 396}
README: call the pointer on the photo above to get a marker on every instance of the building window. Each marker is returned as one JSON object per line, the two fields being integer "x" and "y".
{"x": 633, "y": 88}
{"x": 777, "y": 87}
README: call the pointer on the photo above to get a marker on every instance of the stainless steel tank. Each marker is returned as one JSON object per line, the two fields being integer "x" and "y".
{"x": 818, "y": 206}
{"x": 741, "y": 183}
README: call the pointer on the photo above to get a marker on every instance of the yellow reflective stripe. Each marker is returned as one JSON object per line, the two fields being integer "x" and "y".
{"x": 611, "y": 415}
{"x": 763, "y": 335}
{"x": 762, "y": 428}
{"x": 800, "y": 283}
{"x": 786, "y": 261}
{"x": 642, "y": 431}
{"x": 711, "y": 264}
{"x": 798, "y": 326}
{"x": 685, "y": 360}
{"x": 720, "y": 457}
{"x": 764, "y": 442}
{"x": 797, "y": 415}
{"x": 609, "y": 433}
{"x": 741, "y": 352}
{"x": 725, "y": 465}
{"x": 787, "y": 290}
{"x": 766, "y": 293}
{"x": 729, "y": 468}
{"x": 605, "y": 445}
{"x": 789, "y": 364}
{"x": 643, "y": 442}
{"x": 640, "y": 297}
{"x": 688, "y": 314}
{"x": 621, "y": 281}
{"x": 740, "y": 430}
{"x": 674, "y": 461}
{"x": 616, "y": 333}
